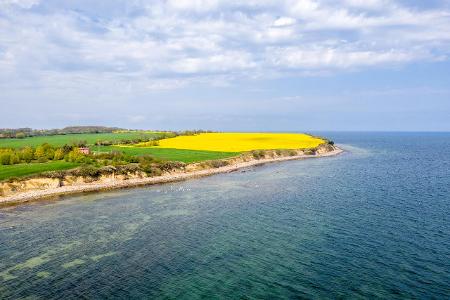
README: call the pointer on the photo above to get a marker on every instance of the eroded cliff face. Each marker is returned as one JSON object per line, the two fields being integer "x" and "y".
{"x": 42, "y": 183}
{"x": 324, "y": 148}
{"x": 11, "y": 188}
{"x": 33, "y": 184}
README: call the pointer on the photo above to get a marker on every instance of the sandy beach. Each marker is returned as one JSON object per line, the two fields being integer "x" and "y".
{"x": 171, "y": 177}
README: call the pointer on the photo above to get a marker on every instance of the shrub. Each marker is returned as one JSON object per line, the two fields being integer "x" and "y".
{"x": 258, "y": 154}
{"x": 27, "y": 154}
{"x": 126, "y": 169}
{"x": 67, "y": 148}
{"x": 42, "y": 159}
{"x": 87, "y": 171}
{"x": 292, "y": 153}
{"x": 75, "y": 155}
{"x": 39, "y": 153}
{"x": 15, "y": 159}
{"x": 59, "y": 154}
{"x": 150, "y": 169}
{"x": 106, "y": 170}
{"x": 171, "y": 165}
{"x": 218, "y": 163}
{"x": 310, "y": 151}
{"x": 55, "y": 174}
{"x": 5, "y": 158}
{"x": 82, "y": 143}
{"x": 20, "y": 135}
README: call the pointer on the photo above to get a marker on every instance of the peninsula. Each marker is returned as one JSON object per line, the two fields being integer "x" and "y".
{"x": 40, "y": 164}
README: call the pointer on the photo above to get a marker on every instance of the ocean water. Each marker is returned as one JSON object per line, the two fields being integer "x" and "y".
{"x": 373, "y": 223}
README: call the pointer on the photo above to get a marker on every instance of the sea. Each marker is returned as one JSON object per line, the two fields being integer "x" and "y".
{"x": 371, "y": 223}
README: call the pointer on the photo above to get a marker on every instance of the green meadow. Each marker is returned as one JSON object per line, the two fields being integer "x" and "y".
{"x": 21, "y": 170}
{"x": 60, "y": 140}
{"x": 164, "y": 154}
{"x": 186, "y": 156}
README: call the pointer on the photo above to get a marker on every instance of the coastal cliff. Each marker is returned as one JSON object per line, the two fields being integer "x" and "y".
{"x": 47, "y": 185}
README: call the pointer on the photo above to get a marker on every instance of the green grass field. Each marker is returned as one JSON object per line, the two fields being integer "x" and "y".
{"x": 21, "y": 170}
{"x": 60, "y": 140}
{"x": 186, "y": 156}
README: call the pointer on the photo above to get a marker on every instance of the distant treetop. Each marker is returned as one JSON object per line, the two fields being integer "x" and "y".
{"x": 28, "y": 132}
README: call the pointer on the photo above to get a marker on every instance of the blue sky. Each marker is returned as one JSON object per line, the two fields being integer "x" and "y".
{"x": 260, "y": 65}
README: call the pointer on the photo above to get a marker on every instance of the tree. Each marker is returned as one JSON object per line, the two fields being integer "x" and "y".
{"x": 27, "y": 154}
{"x": 40, "y": 152}
{"x": 14, "y": 159}
{"x": 75, "y": 155}
{"x": 59, "y": 154}
{"x": 50, "y": 153}
{"x": 5, "y": 158}
{"x": 20, "y": 135}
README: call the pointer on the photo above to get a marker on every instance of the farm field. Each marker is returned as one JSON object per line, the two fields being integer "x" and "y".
{"x": 239, "y": 142}
{"x": 186, "y": 156}
{"x": 60, "y": 140}
{"x": 183, "y": 148}
{"x": 21, "y": 170}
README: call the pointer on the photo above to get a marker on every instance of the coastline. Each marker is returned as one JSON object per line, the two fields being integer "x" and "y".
{"x": 136, "y": 182}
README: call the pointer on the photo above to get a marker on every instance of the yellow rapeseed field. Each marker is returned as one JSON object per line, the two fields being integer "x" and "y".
{"x": 239, "y": 142}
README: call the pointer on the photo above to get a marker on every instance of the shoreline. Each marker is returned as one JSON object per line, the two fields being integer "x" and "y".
{"x": 136, "y": 182}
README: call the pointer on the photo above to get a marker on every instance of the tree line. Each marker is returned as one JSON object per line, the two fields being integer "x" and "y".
{"x": 29, "y": 132}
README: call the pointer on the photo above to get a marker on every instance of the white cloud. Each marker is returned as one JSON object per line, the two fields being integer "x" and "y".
{"x": 367, "y": 4}
{"x": 26, "y": 4}
{"x": 284, "y": 21}
{"x": 193, "y": 5}
{"x": 297, "y": 57}
{"x": 171, "y": 44}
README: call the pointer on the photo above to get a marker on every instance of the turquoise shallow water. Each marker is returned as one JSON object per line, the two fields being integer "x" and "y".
{"x": 371, "y": 223}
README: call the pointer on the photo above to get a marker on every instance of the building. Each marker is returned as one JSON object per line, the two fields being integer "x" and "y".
{"x": 85, "y": 150}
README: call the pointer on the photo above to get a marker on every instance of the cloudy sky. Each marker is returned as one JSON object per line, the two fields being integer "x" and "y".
{"x": 226, "y": 65}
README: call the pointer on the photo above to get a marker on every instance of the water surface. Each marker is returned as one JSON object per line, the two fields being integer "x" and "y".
{"x": 371, "y": 223}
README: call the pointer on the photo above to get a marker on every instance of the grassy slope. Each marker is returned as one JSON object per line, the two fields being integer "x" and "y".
{"x": 28, "y": 169}
{"x": 60, "y": 140}
{"x": 186, "y": 156}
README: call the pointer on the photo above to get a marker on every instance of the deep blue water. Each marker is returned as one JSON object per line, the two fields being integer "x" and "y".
{"x": 371, "y": 223}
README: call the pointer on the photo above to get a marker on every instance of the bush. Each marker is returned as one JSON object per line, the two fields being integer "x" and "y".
{"x": 258, "y": 154}
{"x": 39, "y": 153}
{"x": 15, "y": 159}
{"x": 42, "y": 160}
{"x": 87, "y": 171}
{"x": 127, "y": 169}
{"x": 75, "y": 155}
{"x": 218, "y": 163}
{"x": 106, "y": 170}
{"x": 55, "y": 174}
{"x": 67, "y": 148}
{"x": 171, "y": 165}
{"x": 82, "y": 143}
{"x": 59, "y": 154}
{"x": 310, "y": 151}
{"x": 20, "y": 135}
{"x": 150, "y": 169}
{"x": 5, "y": 158}
{"x": 27, "y": 154}
{"x": 292, "y": 153}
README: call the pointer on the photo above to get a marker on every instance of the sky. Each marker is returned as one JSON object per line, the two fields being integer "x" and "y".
{"x": 256, "y": 65}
